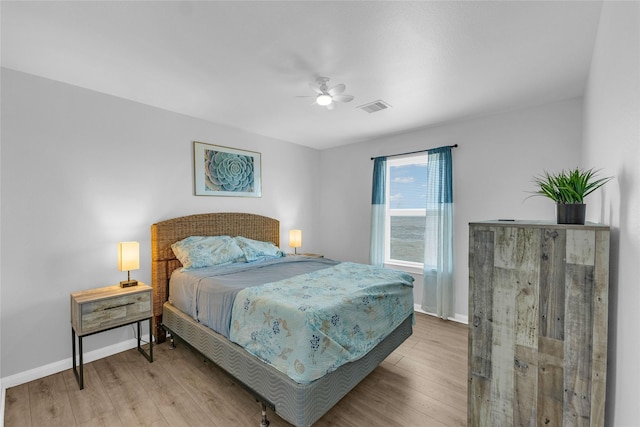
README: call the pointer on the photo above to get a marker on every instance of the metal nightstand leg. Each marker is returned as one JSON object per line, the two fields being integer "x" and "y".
{"x": 79, "y": 373}
{"x": 148, "y": 356}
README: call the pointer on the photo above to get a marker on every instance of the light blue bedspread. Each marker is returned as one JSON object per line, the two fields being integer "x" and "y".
{"x": 307, "y": 326}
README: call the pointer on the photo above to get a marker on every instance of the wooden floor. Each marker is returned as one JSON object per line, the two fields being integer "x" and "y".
{"x": 423, "y": 383}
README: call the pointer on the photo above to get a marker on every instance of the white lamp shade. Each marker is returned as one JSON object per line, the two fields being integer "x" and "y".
{"x": 128, "y": 256}
{"x": 295, "y": 238}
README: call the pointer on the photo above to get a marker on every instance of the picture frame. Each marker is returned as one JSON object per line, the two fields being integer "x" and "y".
{"x": 226, "y": 171}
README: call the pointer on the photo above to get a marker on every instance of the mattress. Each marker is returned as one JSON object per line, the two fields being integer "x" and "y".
{"x": 305, "y": 325}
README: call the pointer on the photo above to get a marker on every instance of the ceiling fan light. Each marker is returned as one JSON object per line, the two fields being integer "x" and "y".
{"x": 323, "y": 99}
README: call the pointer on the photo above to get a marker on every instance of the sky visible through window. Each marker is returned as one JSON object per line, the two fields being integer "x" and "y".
{"x": 407, "y": 186}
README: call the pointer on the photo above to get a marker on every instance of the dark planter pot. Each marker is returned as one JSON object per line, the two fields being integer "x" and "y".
{"x": 571, "y": 213}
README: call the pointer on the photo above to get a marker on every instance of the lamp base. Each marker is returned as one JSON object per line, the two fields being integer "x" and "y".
{"x": 128, "y": 283}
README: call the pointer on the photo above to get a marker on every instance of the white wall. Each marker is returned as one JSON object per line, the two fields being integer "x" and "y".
{"x": 493, "y": 167}
{"x": 612, "y": 142}
{"x": 82, "y": 171}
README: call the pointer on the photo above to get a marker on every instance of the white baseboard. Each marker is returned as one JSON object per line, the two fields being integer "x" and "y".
{"x": 460, "y": 318}
{"x": 62, "y": 365}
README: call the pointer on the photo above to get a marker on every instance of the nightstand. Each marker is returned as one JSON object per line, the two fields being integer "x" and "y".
{"x": 101, "y": 309}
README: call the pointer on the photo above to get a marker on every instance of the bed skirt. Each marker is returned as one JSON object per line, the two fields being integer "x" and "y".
{"x": 299, "y": 404}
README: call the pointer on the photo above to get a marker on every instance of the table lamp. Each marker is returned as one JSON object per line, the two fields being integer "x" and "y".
{"x": 128, "y": 259}
{"x": 295, "y": 240}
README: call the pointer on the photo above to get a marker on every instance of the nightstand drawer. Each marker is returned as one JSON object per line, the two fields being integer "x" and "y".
{"x": 104, "y": 308}
{"x": 113, "y": 311}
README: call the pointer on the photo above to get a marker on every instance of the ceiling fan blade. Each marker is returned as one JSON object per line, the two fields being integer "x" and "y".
{"x": 343, "y": 98}
{"x": 337, "y": 89}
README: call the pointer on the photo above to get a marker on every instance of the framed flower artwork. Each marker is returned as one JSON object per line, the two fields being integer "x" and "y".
{"x": 225, "y": 171}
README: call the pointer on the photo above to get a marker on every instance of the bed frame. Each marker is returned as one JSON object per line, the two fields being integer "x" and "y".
{"x": 299, "y": 404}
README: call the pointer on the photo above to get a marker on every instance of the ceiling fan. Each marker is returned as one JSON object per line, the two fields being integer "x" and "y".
{"x": 328, "y": 97}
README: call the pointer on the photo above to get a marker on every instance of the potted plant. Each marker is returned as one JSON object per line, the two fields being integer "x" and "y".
{"x": 568, "y": 190}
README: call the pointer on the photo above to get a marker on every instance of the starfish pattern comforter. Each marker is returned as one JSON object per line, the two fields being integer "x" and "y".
{"x": 308, "y": 325}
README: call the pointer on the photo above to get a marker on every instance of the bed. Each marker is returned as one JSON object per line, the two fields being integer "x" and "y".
{"x": 300, "y": 402}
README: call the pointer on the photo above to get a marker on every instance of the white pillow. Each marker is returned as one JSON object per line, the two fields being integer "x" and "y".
{"x": 206, "y": 251}
{"x": 254, "y": 249}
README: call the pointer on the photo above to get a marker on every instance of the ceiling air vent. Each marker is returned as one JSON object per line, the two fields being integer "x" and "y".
{"x": 374, "y": 106}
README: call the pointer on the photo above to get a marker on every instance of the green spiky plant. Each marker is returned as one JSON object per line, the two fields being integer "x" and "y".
{"x": 569, "y": 187}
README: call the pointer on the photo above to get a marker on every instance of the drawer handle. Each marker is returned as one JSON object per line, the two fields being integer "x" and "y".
{"x": 121, "y": 305}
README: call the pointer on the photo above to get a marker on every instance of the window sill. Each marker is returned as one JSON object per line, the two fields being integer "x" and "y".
{"x": 412, "y": 269}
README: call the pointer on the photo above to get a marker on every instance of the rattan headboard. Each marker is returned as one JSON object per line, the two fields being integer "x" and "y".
{"x": 165, "y": 233}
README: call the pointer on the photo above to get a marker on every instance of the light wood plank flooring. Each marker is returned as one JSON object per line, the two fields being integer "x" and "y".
{"x": 423, "y": 383}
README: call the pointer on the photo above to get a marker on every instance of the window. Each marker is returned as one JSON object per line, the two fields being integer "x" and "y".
{"x": 406, "y": 211}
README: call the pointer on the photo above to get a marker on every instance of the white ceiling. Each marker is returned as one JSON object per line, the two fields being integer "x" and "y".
{"x": 243, "y": 64}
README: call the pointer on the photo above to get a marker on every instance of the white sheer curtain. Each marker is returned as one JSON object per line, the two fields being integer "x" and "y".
{"x": 438, "y": 290}
{"x": 378, "y": 206}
